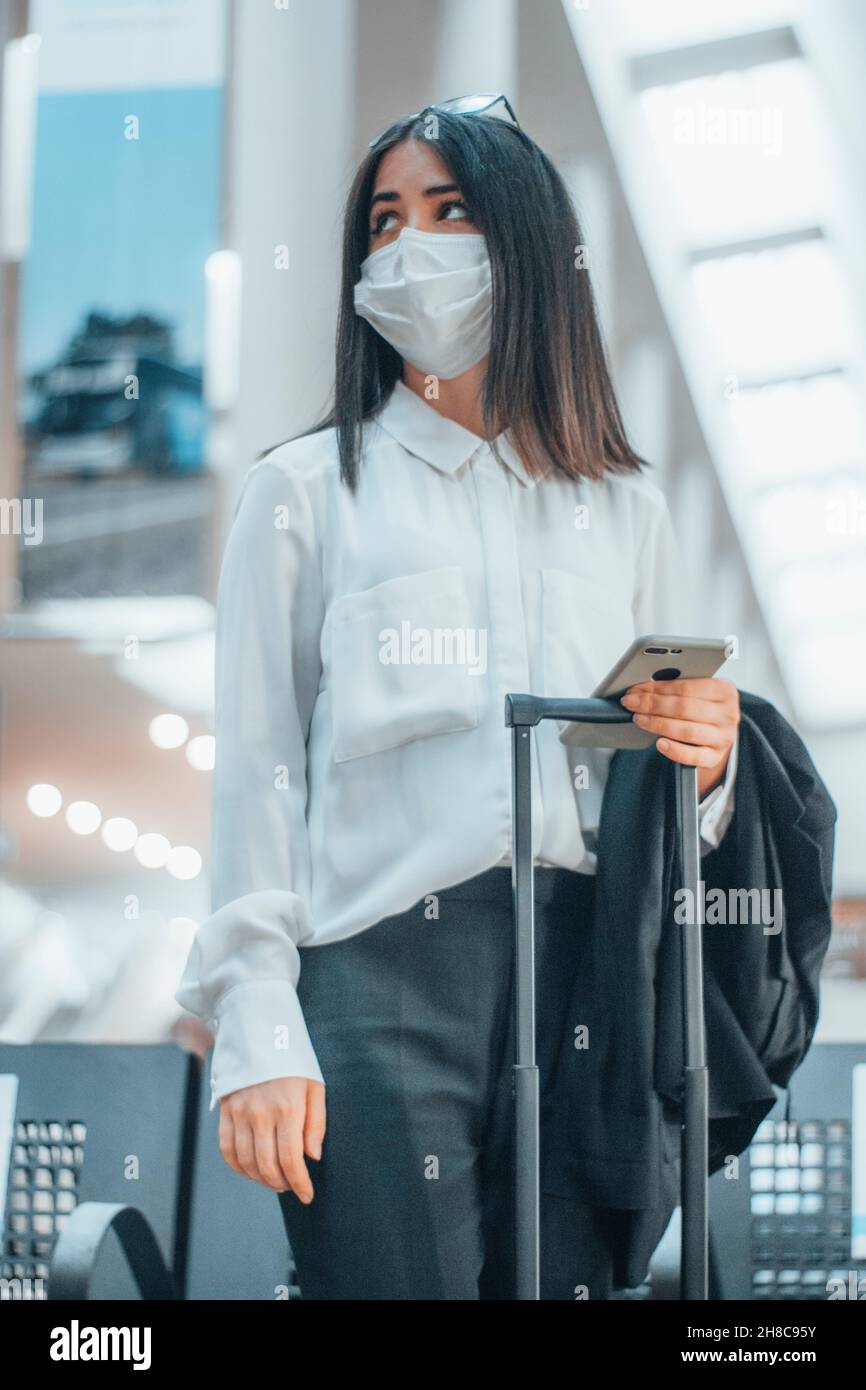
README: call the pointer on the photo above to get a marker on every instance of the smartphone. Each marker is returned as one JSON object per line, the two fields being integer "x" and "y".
{"x": 651, "y": 658}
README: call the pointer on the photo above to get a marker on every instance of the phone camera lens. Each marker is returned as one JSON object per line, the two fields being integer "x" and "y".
{"x": 655, "y": 651}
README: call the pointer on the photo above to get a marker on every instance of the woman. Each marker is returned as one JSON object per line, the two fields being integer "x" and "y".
{"x": 470, "y": 520}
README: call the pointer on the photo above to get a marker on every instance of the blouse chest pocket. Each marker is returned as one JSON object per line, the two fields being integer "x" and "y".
{"x": 586, "y": 628}
{"x": 403, "y": 654}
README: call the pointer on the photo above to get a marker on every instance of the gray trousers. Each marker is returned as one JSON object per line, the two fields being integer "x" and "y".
{"x": 412, "y": 1022}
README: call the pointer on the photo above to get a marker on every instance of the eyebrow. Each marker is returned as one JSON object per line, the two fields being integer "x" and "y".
{"x": 434, "y": 192}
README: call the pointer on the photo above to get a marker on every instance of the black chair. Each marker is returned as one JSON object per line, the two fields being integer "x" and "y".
{"x": 98, "y": 1196}
{"x": 781, "y": 1229}
{"x": 117, "y": 1188}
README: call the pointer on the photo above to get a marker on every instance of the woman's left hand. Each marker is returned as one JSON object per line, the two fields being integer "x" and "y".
{"x": 695, "y": 718}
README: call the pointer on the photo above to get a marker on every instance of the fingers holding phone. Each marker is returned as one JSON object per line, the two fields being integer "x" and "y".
{"x": 695, "y": 719}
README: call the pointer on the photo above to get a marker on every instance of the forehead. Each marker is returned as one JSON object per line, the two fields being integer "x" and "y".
{"x": 411, "y": 167}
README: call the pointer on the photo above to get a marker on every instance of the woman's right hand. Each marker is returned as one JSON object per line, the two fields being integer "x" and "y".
{"x": 266, "y": 1129}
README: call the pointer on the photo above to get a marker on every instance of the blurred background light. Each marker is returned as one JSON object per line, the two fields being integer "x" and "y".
{"x": 168, "y": 730}
{"x": 43, "y": 799}
{"x": 184, "y": 862}
{"x": 152, "y": 850}
{"x": 200, "y": 752}
{"x": 83, "y": 817}
{"x": 119, "y": 833}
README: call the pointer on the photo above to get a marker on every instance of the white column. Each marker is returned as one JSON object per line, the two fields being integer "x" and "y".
{"x": 290, "y": 128}
{"x": 476, "y": 48}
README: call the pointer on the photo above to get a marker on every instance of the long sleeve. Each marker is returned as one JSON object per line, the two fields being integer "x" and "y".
{"x": 662, "y": 603}
{"x": 243, "y": 967}
{"x": 717, "y": 808}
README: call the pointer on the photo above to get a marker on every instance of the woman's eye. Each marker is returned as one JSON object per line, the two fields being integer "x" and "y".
{"x": 453, "y": 211}
{"x": 448, "y": 208}
{"x": 379, "y": 222}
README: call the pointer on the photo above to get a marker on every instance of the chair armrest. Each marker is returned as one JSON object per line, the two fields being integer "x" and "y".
{"x": 80, "y": 1241}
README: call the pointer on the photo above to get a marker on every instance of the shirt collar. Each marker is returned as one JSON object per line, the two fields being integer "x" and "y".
{"x": 440, "y": 441}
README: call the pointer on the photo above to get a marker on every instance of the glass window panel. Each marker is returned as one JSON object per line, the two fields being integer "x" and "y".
{"x": 817, "y": 519}
{"x": 775, "y": 313}
{"x": 127, "y": 187}
{"x": 761, "y": 1179}
{"x": 761, "y": 1155}
{"x": 826, "y": 674}
{"x": 805, "y": 594}
{"x": 742, "y": 152}
{"x": 797, "y": 428}
{"x": 813, "y": 1178}
{"x": 652, "y": 27}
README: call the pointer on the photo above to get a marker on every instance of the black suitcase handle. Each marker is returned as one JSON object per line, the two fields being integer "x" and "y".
{"x": 523, "y": 712}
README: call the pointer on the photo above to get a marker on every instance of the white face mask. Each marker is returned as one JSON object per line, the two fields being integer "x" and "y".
{"x": 429, "y": 295}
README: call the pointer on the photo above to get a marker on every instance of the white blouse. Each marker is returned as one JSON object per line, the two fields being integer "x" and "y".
{"x": 364, "y": 647}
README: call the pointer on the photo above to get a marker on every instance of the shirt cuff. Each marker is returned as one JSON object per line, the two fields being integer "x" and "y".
{"x": 717, "y": 808}
{"x": 260, "y": 1035}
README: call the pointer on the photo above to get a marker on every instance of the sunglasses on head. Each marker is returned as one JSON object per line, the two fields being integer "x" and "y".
{"x": 477, "y": 105}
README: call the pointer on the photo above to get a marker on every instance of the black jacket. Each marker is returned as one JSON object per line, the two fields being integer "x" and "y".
{"x": 612, "y": 1111}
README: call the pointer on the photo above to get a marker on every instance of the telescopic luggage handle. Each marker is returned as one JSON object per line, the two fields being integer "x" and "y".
{"x": 523, "y": 712}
